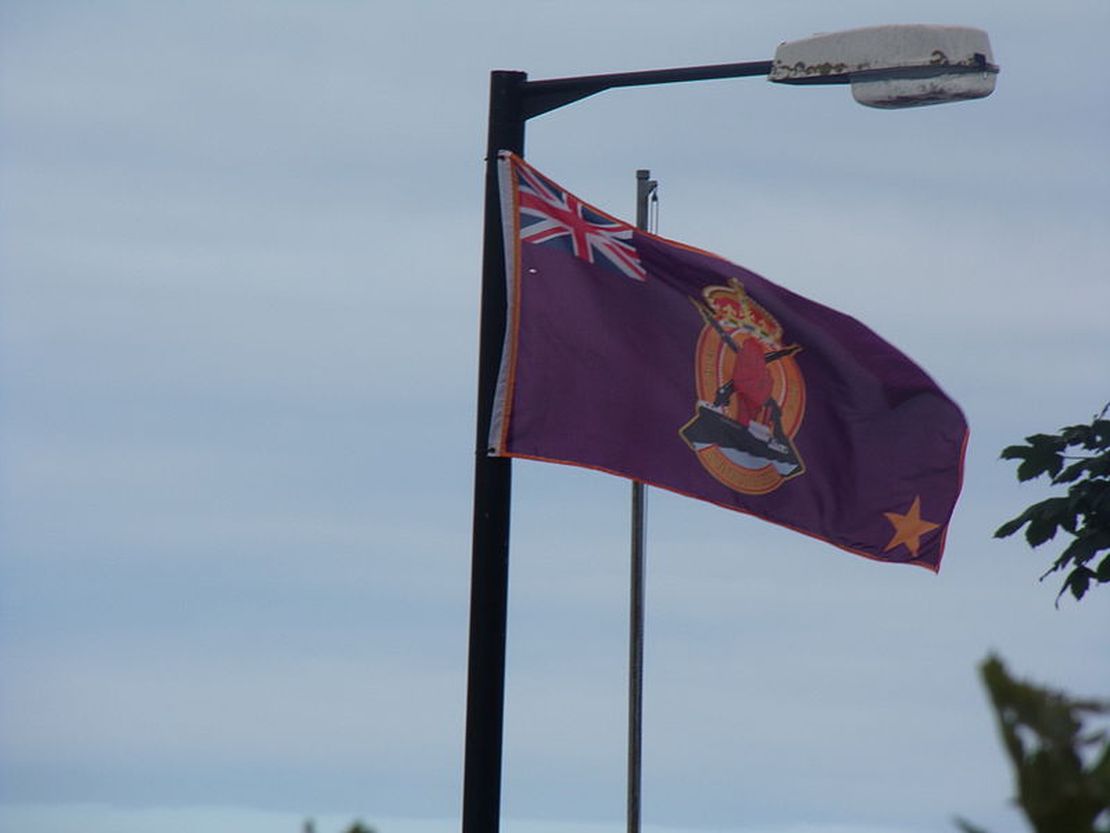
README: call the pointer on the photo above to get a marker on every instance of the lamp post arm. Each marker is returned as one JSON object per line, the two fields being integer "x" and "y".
{"x": 545, "y": 95}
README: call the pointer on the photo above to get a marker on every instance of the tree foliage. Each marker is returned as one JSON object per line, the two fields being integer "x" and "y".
{"x": 1061, "y": 765}
{"x": 1078, "y": 455}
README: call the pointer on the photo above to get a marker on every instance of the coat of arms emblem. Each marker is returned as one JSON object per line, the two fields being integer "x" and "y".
{"x": 751, "y": 394}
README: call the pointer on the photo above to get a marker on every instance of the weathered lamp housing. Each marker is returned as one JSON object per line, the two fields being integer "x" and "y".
{"x": 893, "y": 66}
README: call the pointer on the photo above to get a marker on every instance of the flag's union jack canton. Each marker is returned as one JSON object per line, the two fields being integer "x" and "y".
{"x": 550, "y": 216}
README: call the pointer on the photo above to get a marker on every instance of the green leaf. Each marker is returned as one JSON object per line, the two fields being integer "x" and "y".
{"x": 1043, "y": 454}
{"x": 1100, "y": 505}
{"x": 1070, "y": 522}
{"x": 1038, "y": 463}
{"x": 1079, "y": 504}
{"x": 1031, "y": 515}
{"x": 1010, "y": 527}
{"x": 1044, "y": 518}
{"x": 1040, "y": 530}
{"x": 1100, "y": 434}
{"x": 1100, "y": 466}
{"x": 1076, "y": 470}
{"x": 1078, "y": 581}
{"x": 1054, "y": 441}
{"x": 1081, "y": 550}
{"x": 1015, "y": 452}
{"x": 1076, "y": 434}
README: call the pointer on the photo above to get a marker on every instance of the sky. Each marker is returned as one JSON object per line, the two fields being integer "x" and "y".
{"x": 239, "y": 272}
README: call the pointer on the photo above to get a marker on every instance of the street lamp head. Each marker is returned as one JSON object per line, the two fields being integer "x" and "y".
{"x": 893, "y": 67}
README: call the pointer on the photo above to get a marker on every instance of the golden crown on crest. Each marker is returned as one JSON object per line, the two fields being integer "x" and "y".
{"x": 737, "y": 312}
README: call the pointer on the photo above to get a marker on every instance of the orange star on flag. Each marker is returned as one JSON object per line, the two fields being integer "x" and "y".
{"x": 909, "y": 528}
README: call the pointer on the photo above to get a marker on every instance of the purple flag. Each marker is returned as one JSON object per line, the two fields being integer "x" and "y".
{"x": 646, "y": 358}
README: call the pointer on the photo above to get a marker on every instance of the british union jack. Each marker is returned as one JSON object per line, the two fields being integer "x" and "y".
{"x": 551, "y": 216}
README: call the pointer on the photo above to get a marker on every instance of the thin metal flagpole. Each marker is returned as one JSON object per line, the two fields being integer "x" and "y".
{"x": 645, "y": 187}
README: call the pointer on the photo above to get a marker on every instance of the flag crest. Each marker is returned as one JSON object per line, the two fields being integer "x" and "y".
{"x": 639, "y": 356}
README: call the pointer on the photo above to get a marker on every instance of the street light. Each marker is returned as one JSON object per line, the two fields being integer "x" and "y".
{"x": 887, "y": 66}
{"x": 893, "y": 67}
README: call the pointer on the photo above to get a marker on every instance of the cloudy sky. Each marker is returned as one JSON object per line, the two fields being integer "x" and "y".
{"x": 239, "y": 263}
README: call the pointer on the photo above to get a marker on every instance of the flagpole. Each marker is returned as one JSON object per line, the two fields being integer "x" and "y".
{"x": 645, "y": 187}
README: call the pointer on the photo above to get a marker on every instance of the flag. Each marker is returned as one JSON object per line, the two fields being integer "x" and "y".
{"x": 646, "y": 358}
